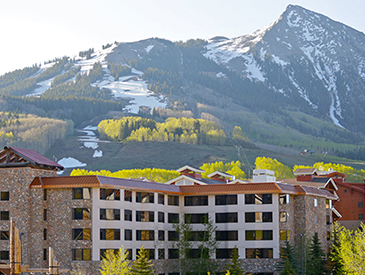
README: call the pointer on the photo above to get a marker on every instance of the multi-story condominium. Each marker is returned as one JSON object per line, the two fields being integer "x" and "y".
{"x": 82, "y": 217}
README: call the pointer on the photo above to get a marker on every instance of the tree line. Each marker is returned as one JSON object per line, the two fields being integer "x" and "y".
{"x": 184, "y": 130}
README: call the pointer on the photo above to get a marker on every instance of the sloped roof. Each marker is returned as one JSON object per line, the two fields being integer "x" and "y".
{"x": 222, "y": 174}
{"x": 305, "y": 171}
{"x": 207, "y": 189}
{"x": 13, "y": 156}
{"x": 193, "y": 169}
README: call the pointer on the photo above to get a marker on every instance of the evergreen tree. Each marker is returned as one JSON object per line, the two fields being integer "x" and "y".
{"x": 234, "y": 267}
{"x": 288, "y": 260}
{"x": 142, "y": 266}
{"x": 113, "y": 263}
{"x": 316, "y": 263}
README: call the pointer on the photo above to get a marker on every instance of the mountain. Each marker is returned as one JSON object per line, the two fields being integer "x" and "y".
{"x": 298, "y": 83}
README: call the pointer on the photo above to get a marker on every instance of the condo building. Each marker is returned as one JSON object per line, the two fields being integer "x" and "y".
{"x": 84, "y": 216}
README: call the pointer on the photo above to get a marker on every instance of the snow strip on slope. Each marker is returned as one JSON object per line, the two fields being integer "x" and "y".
{"x": 71, "y": 163}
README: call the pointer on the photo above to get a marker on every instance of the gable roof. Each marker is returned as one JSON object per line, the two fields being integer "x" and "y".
{"x": 18, "y": 157}
{"x": 222, "y": 174}
{"x": 305, "y": 171}
{"x": 187, "y": 167}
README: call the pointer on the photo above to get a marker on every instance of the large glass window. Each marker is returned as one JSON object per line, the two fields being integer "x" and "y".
{"x": 145, "y": 235}
{"x": 127, "y": 215}
{"x": 173, "y": 200}
{"x": 283, "y": 199}
{"x": 110, "y": 214}
{"x": 196, "y": 253}
{"x": 283, "y": 217}
{"x": 224, "y": 253}
{"x": 195, "y": 200}
{"x": 161, "y": 217}
{"x": 110, "y": 234}
{"x": 81, "y": 213}
{"x": 258, "y": 235}
{"x": 145, "y": 216}
{"x": 258, "y": 217}
{"x": 144, "y": 197}
{"x": 4, "y": 255}
{"x": 161, "y": 253}
{"x": 225, "y": 199}
{"x": 258, "y": 199}
{"x": 4, "y": 235}
{"x": 196, "y": 218}
{"x": 81, "y": 234}
{"x": 4, "y": 196}
{"x": 110, "y": 194}
{"x": 230, "y": 217}
{"x": 150, "y": 253}
{"x": 173, "y": 253}
{"x": 227, "y": 235}
{"x": 128, "y": 195}
{"x": 284, "y": 235}
{"x": 259, "y": 253}
{"x": 127, "y": 234}
{"x": 197, "y": 236}
{"x": 79, "y": 254}
{"x": 161, "y": 235}
{"x": 81, "y": 194}
{"x": 161, "y": 199}
{"x": 173, "y": 236}
{"x": 173, "y": 217}
{"x": 103, "y": 252}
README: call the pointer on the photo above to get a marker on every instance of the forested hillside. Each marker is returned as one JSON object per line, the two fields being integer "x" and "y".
{"x": 30, "y": 131}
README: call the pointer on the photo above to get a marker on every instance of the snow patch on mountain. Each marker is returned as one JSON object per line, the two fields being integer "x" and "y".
{"x": 71, "y": 163}
{"x": 278, "y": 61}
{"x": 302, "y": 93}
{"x": 149, "y": 48}
{"x": 253, "y": 69}
{"x": 44, "y": 86}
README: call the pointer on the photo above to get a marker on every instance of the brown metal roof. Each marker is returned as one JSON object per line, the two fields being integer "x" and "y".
{"x": 27, "y": 156}
{"x": 305, "y": 171}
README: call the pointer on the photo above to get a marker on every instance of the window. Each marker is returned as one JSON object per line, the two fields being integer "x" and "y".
{"x": 4, "y": 235}
{"x": 45, "y": 234}
{"x": 161, "y": 217}
{"x": 328, "y": 204}
{"x": 195, "y": 253}
{"x": 161, "y": 253}
{"x": 328, "y": 219}
{"x": 81, "y": 234}
{"x": 173, "y": 218}
{"x": 258, "y": 199}
{"x": 128, "y": 195}
{"x": 144, "y": 197}
{"x": 127, "y": 234}
{"x": 315, "y": 202}
{"x": 195, "y": 200}
{"x": 79, "y": 254}
{"x": 4, "y": 255}
{"x": 173, "y": 200}
{"x": 44, "y": 214}
{"x": 361, "y": 216}
{"x": 226, "y": 235}
{"x": 127, "y": 215}
{"x": 45, "y": 256}
{"x": 4, "y": 196}
{"x": 44, "y": 194}
{"x": 110, "y": 214}
{"x": 103, "y": 252}
{"x": 225, "y": 199}
{"x": 145, "y": 235}
{"x": 283, "y": 217}
{"x": 226, "y": 217}
{"x": 173, "y": 236}
{"x": 315, "y": 219}
{"x": 258, "y": 235}
{"x": 284, "y": 235}
{"x": 258, "y": 217}
{"x": 173, "y": 253}
{"x": 81, "y": 214}
{"x": 161, "y": 235}
{"x": 161, "y": 199}
{"x": 110, "y": 234}
{"x": 81, "y": 193}
{"x": 328, "y": 235}
{"x": 224, "y": 253}
{"x": 196, "y": 218}
{"x": 196, "y": 236}
{"x": 150, "y": 253}
{"x": 259, "y": 253}
{"x": 360, "y": 204}
{"x": 4, "y": 215}
{"x": 284, "y": 199}
{"x": 110, "y": 194}
{"x": 145, "y": 216}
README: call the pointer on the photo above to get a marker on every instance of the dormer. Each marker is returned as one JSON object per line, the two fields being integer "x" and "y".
{"x": 307, "y": 174}
{"x": 263, "y": 175}
{"x": 220, "y": 176}
{"x": 190, "y": 171}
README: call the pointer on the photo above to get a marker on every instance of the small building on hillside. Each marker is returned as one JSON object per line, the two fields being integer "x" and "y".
{"x": 82, "y": 217}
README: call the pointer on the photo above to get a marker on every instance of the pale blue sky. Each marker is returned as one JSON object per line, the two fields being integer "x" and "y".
{"x": 39, "y": 30}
